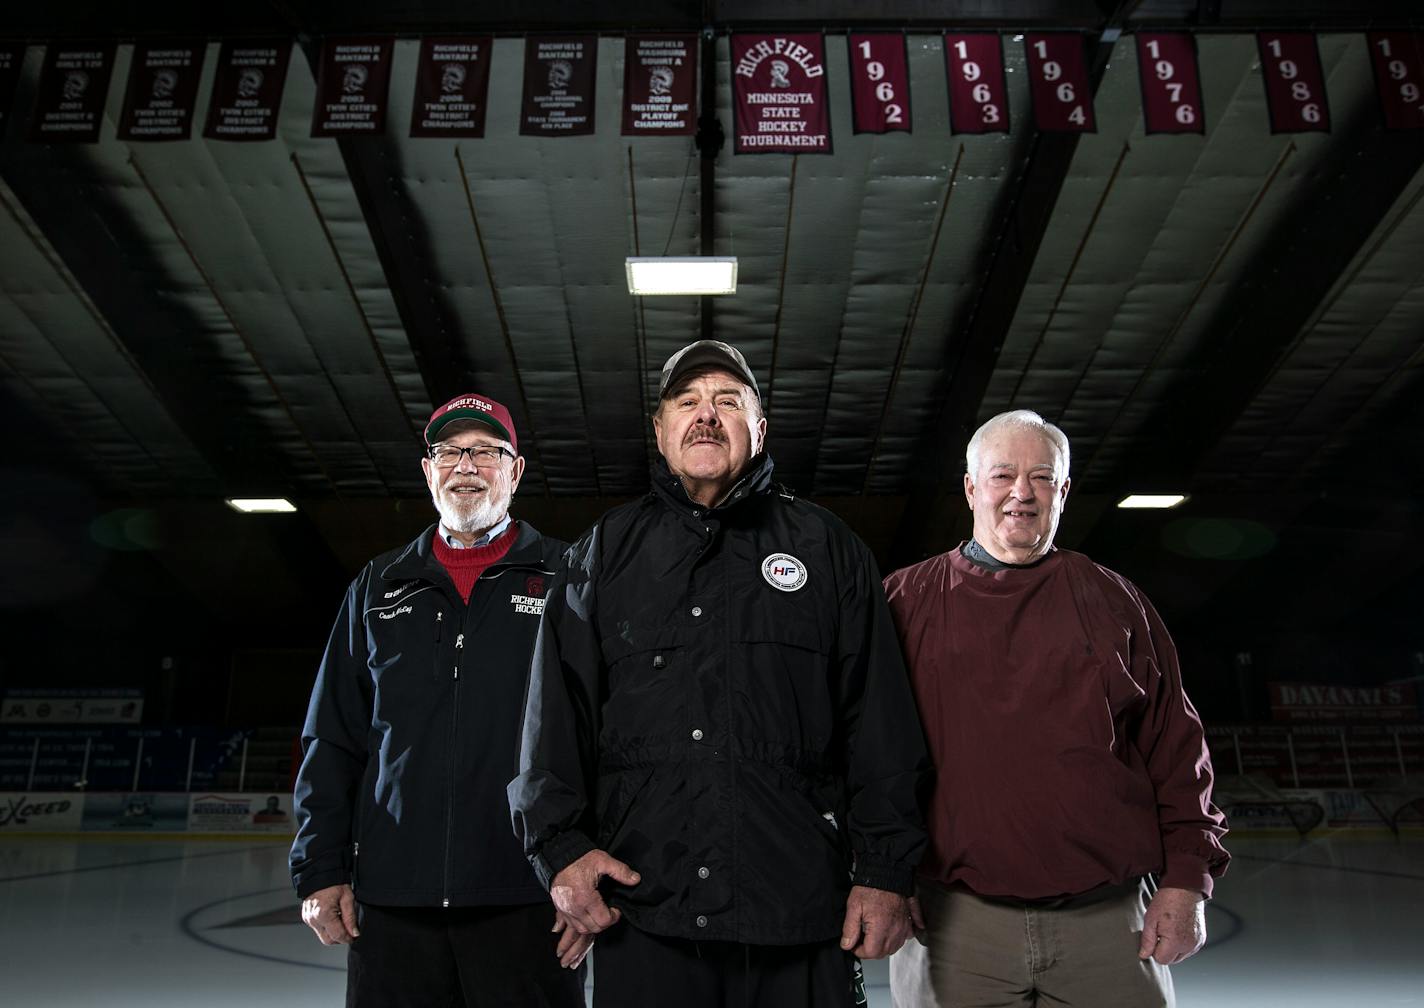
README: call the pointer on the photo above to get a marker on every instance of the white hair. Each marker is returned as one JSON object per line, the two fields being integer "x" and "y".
{"x": 1019, "y": 419}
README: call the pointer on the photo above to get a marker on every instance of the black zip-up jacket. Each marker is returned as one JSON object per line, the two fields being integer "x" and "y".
{"x": 718, "y": 700}
{"x": 413, "y": 732}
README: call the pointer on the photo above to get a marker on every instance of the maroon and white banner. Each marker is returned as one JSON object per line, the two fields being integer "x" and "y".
{"x": 1399, "y": 77}
{"x": 879, "y": 83}
{"x": 12, "y": 54}
{"x": 163, "y": 88}
{"x": 660, "y": 85}
{"x": 978, "y": 96}
{"x": 559, "y": 76}
{"x": 351, "y": 87}
{"x": 1171, "y": 83}
{"x": 74, "y": 81}
{"x": 1321, "y": 702}
{"x": 779, "y": 94}
{"x": 1058, "y": 83}
{"x": 451, "y": 87}
{"x": 247, "y": 89}
{"x": 1295, "y": 82}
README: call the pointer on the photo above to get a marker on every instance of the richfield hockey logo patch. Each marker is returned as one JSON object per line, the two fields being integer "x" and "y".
{"x": 783, "y": 572}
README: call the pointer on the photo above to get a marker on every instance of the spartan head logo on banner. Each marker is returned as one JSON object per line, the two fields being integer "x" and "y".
{"x": 351, "y": 87}
{"x": 660, "y": 85}
{"x": 247, "y": 89}
{"x": 73, "y": 85}
{"x": 779, "y": 92}
{"x": 163, "y": 88}
{"x": 559, "y": 76}
{"x": 451, "y": 87}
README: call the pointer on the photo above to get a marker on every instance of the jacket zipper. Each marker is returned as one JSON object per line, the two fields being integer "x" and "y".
{"x": 450, "y": 772}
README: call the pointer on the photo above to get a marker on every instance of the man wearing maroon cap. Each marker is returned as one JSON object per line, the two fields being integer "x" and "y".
{"x": 403, "y": 850}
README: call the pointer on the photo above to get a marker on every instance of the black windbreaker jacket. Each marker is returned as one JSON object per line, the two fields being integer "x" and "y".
{"x": 718, "y": 699}
{"x": 413, "y": 732}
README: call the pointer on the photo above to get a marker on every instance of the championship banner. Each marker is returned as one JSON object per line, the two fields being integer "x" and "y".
{"x": 1398, "y": 59}
{"x": 1171, "y": 83}
{"x": 451, "y": 87}
{"x": 559, "y": 76}
{"x": 40, "y": 811}
{"x": 12, "y": 54}
{"x": 660, "y": 85}
{"x": 74, "y": 82}
{"x": 1295, "y": 82}
{"x": 262, "y": 812}
{"x": 163, "y": 87}
{"x": 351, "y": 87}
{"x": 1058, "y": 84}
{"x": 879, "y": 83}
{"x": 247, "y": 89}
{"x": 978, "y": 95}
{"x": 779, "y": 94}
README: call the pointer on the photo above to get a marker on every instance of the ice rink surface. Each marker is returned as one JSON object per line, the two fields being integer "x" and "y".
{"x": 1334, "y": 920}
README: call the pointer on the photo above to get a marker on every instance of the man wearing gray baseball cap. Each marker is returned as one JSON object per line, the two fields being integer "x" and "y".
{"x": 720, "y": 744}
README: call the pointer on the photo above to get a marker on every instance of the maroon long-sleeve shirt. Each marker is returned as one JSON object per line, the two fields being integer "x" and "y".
{"x": 1066, "y": 754}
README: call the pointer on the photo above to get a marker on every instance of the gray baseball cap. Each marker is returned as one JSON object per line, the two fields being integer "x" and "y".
{"x": 706, "y": 353}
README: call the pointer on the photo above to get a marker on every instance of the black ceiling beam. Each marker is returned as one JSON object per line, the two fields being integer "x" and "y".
{"x": 971, "y": 350}
{"x": 1360, "y": 178}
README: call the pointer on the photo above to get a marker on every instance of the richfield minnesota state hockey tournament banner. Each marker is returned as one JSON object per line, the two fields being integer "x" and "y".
{"x": 451, "y": 87}
{"x": 351, "y": 87}
{"x": 660, "y": 85}
{"x": 779, "y": 94}
{"x": 247, "y": 89}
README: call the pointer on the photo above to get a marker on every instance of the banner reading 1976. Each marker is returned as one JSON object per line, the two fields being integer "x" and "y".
{"x": 247, "y": 89}
{"x": 1171, "y": 85}
{"x": 779, "y": 94}
{"x": 660, "y": 85}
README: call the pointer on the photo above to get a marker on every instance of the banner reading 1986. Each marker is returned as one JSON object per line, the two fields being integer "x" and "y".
{"x": 779, "y": 94}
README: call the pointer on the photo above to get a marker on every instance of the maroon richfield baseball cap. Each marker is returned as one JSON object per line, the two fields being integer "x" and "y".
{"x": 476, "y": 407}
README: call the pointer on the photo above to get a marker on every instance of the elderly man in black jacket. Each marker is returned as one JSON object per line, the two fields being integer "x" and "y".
{"x": 720, "y": 744}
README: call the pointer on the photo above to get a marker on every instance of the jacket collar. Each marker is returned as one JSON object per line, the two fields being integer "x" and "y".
{"x": 755, "y": 481}
{"x": 418, "y": 561}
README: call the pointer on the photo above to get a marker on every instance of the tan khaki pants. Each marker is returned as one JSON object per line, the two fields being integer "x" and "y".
{"x": 1079, "y": 952}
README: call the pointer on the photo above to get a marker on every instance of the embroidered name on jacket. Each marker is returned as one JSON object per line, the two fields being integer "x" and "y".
{"x": 531, "y": 604}
{"x": 393, "y": 613}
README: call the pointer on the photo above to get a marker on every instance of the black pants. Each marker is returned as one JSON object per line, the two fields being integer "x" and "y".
{"x": 634, "y": 969}
{"x": 478, "y": 957}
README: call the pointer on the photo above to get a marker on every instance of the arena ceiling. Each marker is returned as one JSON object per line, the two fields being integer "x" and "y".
{"x": 1235, "y": 315}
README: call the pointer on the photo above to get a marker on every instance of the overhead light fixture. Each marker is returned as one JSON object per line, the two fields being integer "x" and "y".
{"x": 649, "y": 275}
{"x": 261, "y": 505}
{"x": 1151, "y": 500}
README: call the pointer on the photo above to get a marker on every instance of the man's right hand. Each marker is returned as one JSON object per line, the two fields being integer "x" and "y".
{"x": 575, "y": 891}
{"x": 331, "y": 913}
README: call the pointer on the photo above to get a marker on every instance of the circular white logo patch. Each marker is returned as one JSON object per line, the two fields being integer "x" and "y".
{"x": 783, "y": 571}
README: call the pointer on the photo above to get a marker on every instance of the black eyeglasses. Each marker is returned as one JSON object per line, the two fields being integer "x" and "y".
{"x": 483, "y": 456}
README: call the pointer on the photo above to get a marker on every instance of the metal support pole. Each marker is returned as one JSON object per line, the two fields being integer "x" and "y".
{"x": 84, "y": 770}
{"x": 242, "y": 768}
{"x": 188, "y": 780}
{"x": 1345, "y": 749}
{"x": 138, "y": 764}
{"x": 34, "y": 762}
{"x": 1290, "y": 747}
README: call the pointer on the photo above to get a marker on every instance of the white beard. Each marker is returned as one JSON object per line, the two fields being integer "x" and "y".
{"x": 468, "y": 516}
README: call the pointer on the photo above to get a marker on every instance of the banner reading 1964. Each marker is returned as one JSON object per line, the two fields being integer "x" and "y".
{"x": 247, "y": 89}
{"x": 351, "y": 87}
{"x": 451, "y": 87}
{"x": 163, "y": 86}
{"x": 74, "y": 82}
{"x": 660, "y": 85}
{"x": 779, "y": 92}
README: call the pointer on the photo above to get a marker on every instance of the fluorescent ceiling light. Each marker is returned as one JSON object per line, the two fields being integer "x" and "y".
{"x": 1151, "y": 500}
{"x": 682, "y": 274}
{"x": 261, "y": 505}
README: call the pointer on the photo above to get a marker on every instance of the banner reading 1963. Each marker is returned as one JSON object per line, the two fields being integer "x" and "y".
{"x": 451, "y": 87}
{"x": 74, "y": 82}
{"x": 247, "y": 89}
{"x": 779, "y": 94}
{"x": 660, "y": 85}
{"x": 163, "y": 86}
{"x": 351, "y": 87}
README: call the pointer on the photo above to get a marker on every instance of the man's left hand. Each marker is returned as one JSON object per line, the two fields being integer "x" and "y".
{"x": 1175, "y": 926}
{"x": 572, "y": 946}
{"x": 877, "y": 922}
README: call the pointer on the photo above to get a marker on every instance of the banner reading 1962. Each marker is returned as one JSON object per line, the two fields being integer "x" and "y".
{"x": 779, "y": 93}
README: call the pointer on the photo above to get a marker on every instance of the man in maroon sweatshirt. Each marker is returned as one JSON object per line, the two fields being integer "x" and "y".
{"x": 1073, "y": 840}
